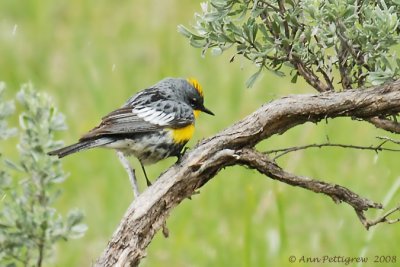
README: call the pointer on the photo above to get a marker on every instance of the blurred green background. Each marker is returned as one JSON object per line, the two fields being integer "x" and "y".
{"x": 90, "y": 56}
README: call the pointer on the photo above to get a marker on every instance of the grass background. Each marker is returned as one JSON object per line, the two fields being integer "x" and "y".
{"x": 90, "y": 56}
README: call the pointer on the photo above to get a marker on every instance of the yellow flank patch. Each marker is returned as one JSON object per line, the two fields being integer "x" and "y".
{"x": 196, "y": 85}
{"x": 182, "y": 135}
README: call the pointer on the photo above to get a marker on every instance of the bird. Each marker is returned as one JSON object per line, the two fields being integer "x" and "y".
{"x": 153, "y": 124}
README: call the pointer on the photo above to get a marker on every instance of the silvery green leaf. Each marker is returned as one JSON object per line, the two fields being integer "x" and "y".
{"x": 10, "y": 164}
{"x": 184, "y": 31}
{"x": 250, "y": 82}
{"x": 77, "y": 231}
{"x": 216, "y": 51}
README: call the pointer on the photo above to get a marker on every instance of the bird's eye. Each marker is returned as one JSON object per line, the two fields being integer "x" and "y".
{"x": 193, "y": 102}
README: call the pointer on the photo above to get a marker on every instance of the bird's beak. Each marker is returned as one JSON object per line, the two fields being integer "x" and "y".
{"x": 206, "y": 110}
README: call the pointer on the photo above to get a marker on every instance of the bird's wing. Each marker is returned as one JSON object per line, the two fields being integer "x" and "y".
{"x": 139, "y": 118}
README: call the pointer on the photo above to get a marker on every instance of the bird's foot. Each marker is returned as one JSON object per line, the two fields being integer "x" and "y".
{"x": 180, "y": 155}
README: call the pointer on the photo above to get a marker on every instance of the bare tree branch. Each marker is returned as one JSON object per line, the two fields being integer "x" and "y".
{"x": 147, "y": 214}
{"x": 283, "y": 151}
{"x": 388, "y": 139}
{"x": 384, "y": 218}
{"x": 309, "y": 75}
{"x": 385, "y": 124}
{"x": 282, "y": 10}
{"x": 264, "y": 165}
{"x": 327, "y": 77}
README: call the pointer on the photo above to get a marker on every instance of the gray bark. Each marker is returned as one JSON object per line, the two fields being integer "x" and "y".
{"x": 235, "y": 146}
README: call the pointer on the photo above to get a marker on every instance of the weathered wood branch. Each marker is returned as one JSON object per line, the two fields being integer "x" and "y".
{"x": 148, "y": 212}
{"x": 385, "y": 124}
{"x": 284, "y": 151}
{"x": 338, "y": 193}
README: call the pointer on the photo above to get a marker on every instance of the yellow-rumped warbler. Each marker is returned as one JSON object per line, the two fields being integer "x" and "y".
{"x": 152, "y": 125}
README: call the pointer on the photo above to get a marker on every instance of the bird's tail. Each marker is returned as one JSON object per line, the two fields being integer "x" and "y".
{"x": 81, "y": 145}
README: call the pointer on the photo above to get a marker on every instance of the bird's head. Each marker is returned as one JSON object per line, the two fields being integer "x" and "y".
{"x": 194, "y": 97}
{"x": 188, "y": 91}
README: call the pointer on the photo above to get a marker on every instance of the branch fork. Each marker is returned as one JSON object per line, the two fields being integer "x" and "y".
{"x": 235, "y": 146}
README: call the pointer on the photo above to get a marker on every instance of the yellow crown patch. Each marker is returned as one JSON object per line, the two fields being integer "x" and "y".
{"x": 196, "y": 85}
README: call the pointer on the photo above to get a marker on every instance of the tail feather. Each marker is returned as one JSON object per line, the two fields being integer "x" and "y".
{"x": 82, "y": 145}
